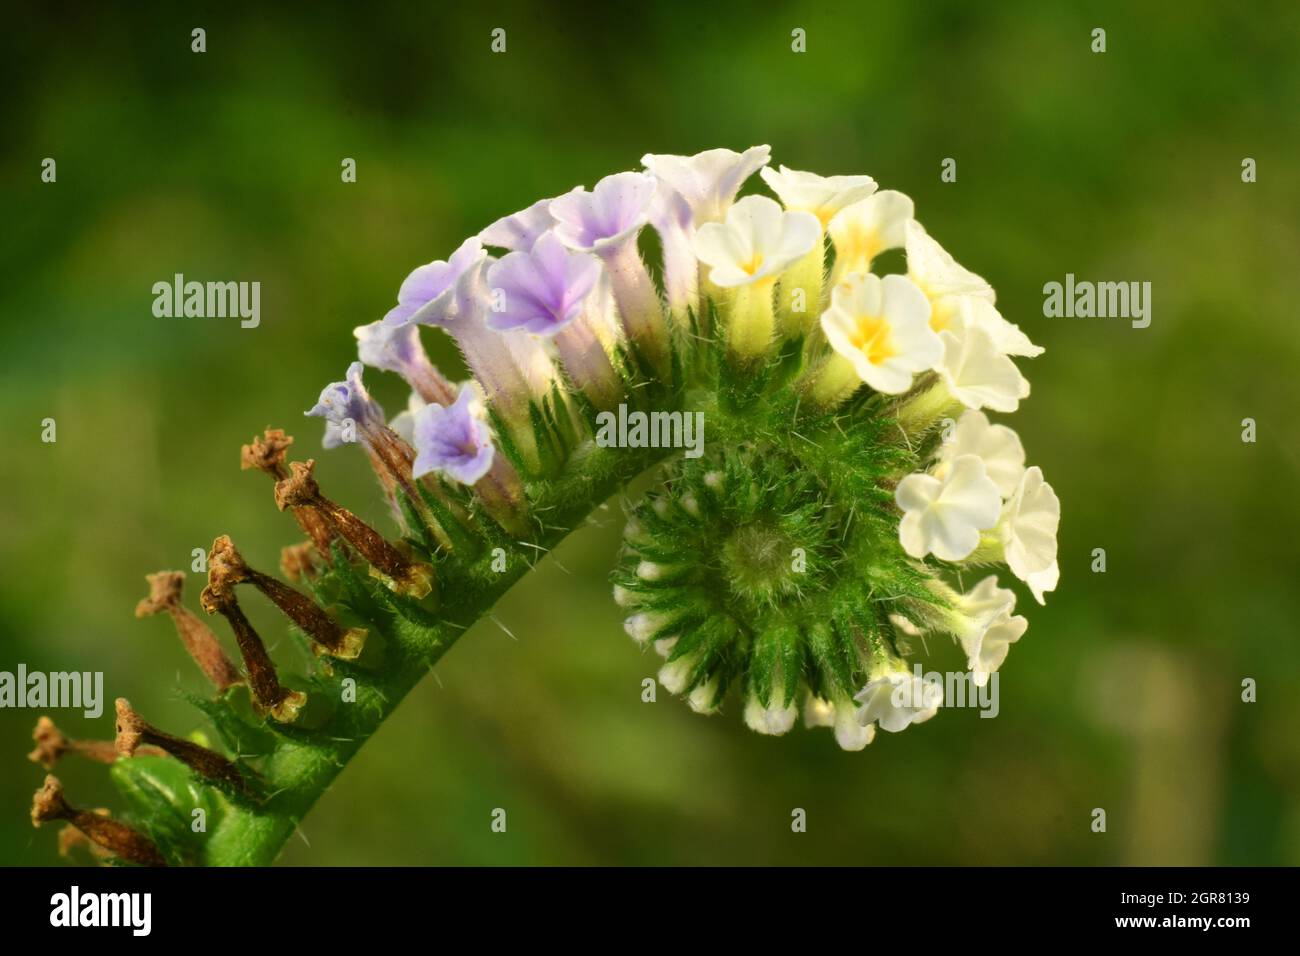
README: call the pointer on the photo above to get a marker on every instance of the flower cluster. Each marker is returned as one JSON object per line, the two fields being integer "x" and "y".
{"x": 849, "y": 409}
{"x": 788, "y": 558}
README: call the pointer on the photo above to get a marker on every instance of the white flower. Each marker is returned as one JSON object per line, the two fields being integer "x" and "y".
{"x": 898, "y": 699}
{"x": 940, "y": 277}
{"x": 707, "y": 181}
{"x": 981, "y": 621}
{"x": 864, "y": 229}
{"x": 1042, "y": 581}
{"x": 842, "y": 717}
{"x": 985, "y": 654}
{"x": 1029, "y": 526}
{"x": 882, "y": 326}
{"x": 823, "y": 196}
{"x": 974, "y": 612}
{"x": 1008, "y": 337}
{"x": 944, "y": 517}
{"x": 757, "y": 241}
{"x": 774, "y": 719}
{"x": 851, "y": 734}
{"x": 977, "y": 373}
{"x": 996, "y": 445}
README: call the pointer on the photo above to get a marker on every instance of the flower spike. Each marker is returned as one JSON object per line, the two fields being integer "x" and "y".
{"x": 49, "y": 804}
{"x": 225, "y": 564}
{"x": 798, "y": 560}
{"x": 165, "y": 597}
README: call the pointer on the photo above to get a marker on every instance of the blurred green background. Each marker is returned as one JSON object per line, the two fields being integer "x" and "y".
{"x": 1124, "y": 695}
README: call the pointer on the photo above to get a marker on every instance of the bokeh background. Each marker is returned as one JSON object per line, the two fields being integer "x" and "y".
{"x": 1124, "y": 695}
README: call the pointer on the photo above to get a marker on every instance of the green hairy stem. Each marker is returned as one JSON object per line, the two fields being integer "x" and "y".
{"x": 293, "y": 765}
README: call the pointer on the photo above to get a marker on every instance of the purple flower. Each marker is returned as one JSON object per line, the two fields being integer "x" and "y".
{"x": 397, "y": 348}
{"x": 454, "y": 439}
{"x": 433, "y": 293}
{"x": 606, "y": 221}
{"x": 392, "y": 348}
{"x": 553, "y": 292}
{"x": 609, "y": 216}
{"x": 519, "y": 231}
{"x": 543, "y": 289}
{"x": 345, "y": 405}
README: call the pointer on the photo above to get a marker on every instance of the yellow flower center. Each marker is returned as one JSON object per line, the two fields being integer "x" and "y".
{"x": 942, "y": 310}
{"x": 860, "y": 247}
{"x": 753, "y": 265}
{"x": 871, "y": 337}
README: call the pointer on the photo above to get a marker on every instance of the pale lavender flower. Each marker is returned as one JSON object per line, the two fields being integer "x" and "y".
{"x": 606, "y": 222}
{"x": 671, "y": 216}
{"x": 397, "y": 348}
{"x": 348, "y": 409}
{"x": 548, "y": 291}
{"x": 454, "y": 439}
{"x": 609, "y": 215}
{"x": 519, "y": 231}
{"x": 431, "y": 292}
{"x": 352, "y": 416}
{"x": 453, "y": 296}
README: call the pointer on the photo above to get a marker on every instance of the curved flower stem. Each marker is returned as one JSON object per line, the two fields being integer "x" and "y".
{"x": 298, "y": 771}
